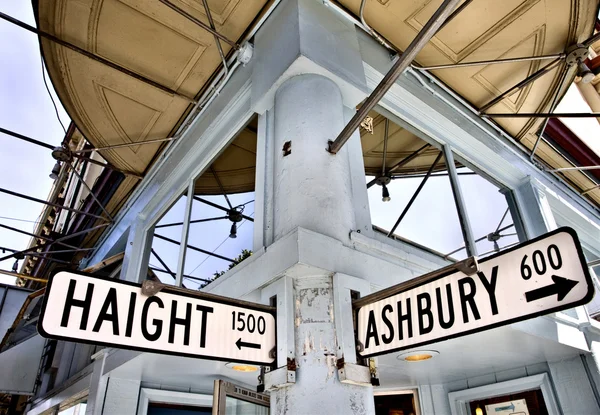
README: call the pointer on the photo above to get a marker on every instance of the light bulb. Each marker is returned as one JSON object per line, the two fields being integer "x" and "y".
{"x": 385, "y": 193}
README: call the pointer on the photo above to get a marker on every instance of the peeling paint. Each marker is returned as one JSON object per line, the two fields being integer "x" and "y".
{"x": 331, "y": 361}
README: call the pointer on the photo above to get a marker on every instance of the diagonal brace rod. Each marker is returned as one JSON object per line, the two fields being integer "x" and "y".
{"x": 539, "y": 73}
{"x": 415, "y": 194}
{"x": 33, "y": 199}
{"x": 173, "y": 241}
{"x": 403, "y": 62}
{"x": 224, "y": 209}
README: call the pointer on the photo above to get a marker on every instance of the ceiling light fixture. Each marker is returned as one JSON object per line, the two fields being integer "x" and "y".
{"x": 385, "y": 194}
{"x": 55, "y": 171}
{"x": 418, "y": 355}
{"x": 241, "y": 367}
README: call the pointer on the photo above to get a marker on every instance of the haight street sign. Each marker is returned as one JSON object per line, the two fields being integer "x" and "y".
{"x": 88, "y": 309}
{"x": 541, "y": 276}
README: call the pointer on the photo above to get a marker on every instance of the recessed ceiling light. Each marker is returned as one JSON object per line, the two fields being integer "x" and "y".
{"x": 418, "y": 355}
{"x": 241, "y": 367}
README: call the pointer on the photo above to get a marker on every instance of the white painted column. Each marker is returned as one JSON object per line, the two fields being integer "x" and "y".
{"x": 307, "y": 79}
{"x": 318, "y": 389}
{"x": 312, "y": 188}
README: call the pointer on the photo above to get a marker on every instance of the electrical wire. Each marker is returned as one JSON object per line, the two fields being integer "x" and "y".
{"x": 50, "y": 95}
{"x": 20, "y": 220}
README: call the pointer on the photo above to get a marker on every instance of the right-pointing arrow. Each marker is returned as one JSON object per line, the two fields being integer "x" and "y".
{"x": 561, "y": 287}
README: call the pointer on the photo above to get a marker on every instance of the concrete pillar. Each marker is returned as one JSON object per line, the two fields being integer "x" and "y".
{"x": 307, "y": 79}
{"x": 312, "y": 188}
{"x": 317, "y": 389}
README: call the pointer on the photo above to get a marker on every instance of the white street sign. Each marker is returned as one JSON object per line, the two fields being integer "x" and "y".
{"x": 544, "y": 275}
{"x": 83, "y": 308}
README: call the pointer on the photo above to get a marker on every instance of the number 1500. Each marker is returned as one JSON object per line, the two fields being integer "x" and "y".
{"x": 249, "y": 322}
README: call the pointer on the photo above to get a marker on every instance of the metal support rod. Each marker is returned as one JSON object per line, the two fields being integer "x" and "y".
{"x": 33, "y": 199}
{"x": 82, "y": 181}
{"x": 166, "y": 225}
{"x": 480, "y": 239}
{"x": 539, "y": 73}
{"x": 467, "y": 266}
{"x": 553, "y": 105}
{"x": 185, "y": 232}
{"x": 402, "y": 162}
{"x": 491, "y": 62}
{"x": 591, "y": 40}
{"x": 385, "y": 144}
{"x": 545, "y": 115}
{"x": 575, "y": 168}
{"x": 163, "y": 263}
{"x": 217, "y": 40}
{"x": 37, "y": 255}
{"x": 455, "y": 13}
{"x": 25, "y": 138}
{"x": 33, "y": 235}
{"x": 399, "y": 67}
{"x": 108, "y": 166}
{"x": 65, "y": 251}
{"x": 418, "y": 176}
{"x": 140, "y": 143}
{"x": 415, "y": 194}
{"x": 200, "y": 23}
{"x": 173, "y": 241}
{"x": 189, "y": 277}
{"x": 93, "y": 56}
{"x": 465, "y": 225}
{"x": 593, "y": 263}
{"x": 209, "y": 203}
{"x": 591, "y": 189}
{"x": 214, "y": 173}
{"x": 23, "y": 276}
{"x": 63, "y": 238}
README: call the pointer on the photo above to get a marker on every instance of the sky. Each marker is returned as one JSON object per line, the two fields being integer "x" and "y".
{"x": 25, "y": 108}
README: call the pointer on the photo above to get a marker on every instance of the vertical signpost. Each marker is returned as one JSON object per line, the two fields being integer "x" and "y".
{"x": 544, "y": 275}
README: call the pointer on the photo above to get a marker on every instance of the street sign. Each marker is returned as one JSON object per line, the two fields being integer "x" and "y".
{"x": 88, "y": 309}
{"x": 541, "y": 276}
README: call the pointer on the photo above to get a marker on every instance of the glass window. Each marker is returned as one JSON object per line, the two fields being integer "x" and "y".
{"x": 221, "y": 211}
{"x": 521, "y": 403}
{"x": 411, "y": 197}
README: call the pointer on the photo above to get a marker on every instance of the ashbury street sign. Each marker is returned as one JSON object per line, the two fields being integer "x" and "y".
{"x": 114, "y": 313}
{"x": 542, "y": 276}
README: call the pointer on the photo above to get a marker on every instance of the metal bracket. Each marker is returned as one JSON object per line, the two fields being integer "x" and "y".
{"x": 468, "y": 266}
{"x": 373, "y": 372}
{"x": 353, "y": 374}
{"x": 575, "y": 54}
{"x": 150, "y": 288}
{"x": 280, "y": 377}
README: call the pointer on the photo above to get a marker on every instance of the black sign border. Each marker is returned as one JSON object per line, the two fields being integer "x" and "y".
{"x": 588, "y": 297}
{"x": 225, "y": 301}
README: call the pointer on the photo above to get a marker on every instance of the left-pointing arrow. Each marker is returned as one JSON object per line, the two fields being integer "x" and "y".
{"x": 241, "y": 344}
{"x": 561, "y": 287}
